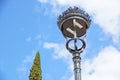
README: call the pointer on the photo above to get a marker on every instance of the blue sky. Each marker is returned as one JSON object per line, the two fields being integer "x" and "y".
{"x": 28, "y": 26}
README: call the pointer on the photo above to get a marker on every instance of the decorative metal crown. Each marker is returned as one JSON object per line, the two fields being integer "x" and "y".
{"x": 75, "y": 11}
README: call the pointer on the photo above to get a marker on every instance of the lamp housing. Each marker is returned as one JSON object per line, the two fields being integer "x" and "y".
{"x": 74, "y": 22}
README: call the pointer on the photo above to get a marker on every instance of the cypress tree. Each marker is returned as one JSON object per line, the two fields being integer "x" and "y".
{"x": 36, "y": 72}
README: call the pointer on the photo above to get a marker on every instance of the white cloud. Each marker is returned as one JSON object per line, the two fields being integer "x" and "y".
{"x": 59, "y": 50}
{"x": 105, "y": 13}
{"x": 105, "y": 66}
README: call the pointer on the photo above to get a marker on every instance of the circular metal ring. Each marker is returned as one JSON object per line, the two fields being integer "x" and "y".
{"x": 74, "y": 50}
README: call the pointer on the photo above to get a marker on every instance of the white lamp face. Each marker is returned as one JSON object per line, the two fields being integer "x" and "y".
{"x": 76, "y": 24}
{"x": 70, "y": 31}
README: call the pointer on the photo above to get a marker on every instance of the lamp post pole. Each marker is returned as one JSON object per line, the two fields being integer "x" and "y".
{"x": 74, "y": 24}
{"x": 77, "y": 65}
{"x": 76, "y": 56}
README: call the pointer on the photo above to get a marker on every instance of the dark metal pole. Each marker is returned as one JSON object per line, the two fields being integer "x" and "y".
{"x": 77, "y": 65}
{"x": 76, "y": 56}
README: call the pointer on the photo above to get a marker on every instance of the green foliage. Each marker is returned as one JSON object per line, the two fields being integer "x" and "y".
{"x": 36, "y": 72}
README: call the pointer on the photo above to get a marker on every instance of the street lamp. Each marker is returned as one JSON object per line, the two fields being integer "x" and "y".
{"x": 74, "y": 24}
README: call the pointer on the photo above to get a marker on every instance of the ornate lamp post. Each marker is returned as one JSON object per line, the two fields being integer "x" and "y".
{"x": 74, "y": 24}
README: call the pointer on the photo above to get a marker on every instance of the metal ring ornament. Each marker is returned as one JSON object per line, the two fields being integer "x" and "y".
{"x": 80, "y": 50}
